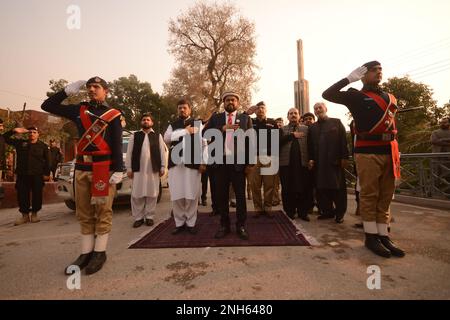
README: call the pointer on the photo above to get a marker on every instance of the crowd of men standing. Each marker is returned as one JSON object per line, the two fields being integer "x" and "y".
{"x": 309, "y": 156}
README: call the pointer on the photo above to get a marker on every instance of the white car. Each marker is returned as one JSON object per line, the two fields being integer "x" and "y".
{"x": 65, "y": 183}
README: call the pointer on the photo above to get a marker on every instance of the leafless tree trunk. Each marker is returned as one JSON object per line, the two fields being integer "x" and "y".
{"x": 214, "y": 47}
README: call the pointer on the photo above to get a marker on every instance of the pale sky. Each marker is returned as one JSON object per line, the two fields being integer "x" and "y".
{"x": 118, "y": 38}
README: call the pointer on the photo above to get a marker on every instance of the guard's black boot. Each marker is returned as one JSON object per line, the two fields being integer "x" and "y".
{"x": 82, "y": 261}
{"x": 395, "y": 251}
{"x": 374, "y": 244}
{"x": 96, "y": 263}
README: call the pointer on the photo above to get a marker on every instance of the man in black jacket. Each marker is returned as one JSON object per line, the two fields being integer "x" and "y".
{"x": 376, "y": 151}
{"x": 227, "y": 173}
{"x": 55, "y": 158}
{"x": 33, "y": 167}
{"x": 98, "y": 168}
{"x": 328, "y": 155}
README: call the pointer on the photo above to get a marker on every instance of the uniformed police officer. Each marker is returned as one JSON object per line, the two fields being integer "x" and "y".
{"x": 99, "y": 166}
{"x": 33, "y": 167}
{"x": 376, "y": 151}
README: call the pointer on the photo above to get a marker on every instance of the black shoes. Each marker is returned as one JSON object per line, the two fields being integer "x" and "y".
{"x": 177, "y": 230}
{"x": 191, "y": 230}
{"x": 138, "y": 223}
{"x": 383, "y": 246}
{"x": 339, "y": 220}
{"x": 82, "y": 261}
{"x": 374, "y": 244}
{"x": 358, "y": 225}
{"x": 242, "y": 233}
{"x": 395, "y": 251}
{"x": 233, "y": 204}
{"x": 213, "y": 213}
{"x": 96, "y": 262}
{"x": 325, "y": 217}
{"x": 291, "y": 215}
{"x": 149, "y": 222}
{"x": 223, "y": 231}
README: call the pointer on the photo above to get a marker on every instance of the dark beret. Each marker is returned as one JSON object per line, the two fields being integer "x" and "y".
{"x": 371, "y": 64}
{"x": 33, "y": 128}
{"x": 97, "y": 80}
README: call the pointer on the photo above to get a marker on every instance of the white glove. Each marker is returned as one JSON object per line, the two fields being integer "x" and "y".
{"x": 116, "y": 178}
{"x": 74, "y": 87}
{"x": 357, "y": 74}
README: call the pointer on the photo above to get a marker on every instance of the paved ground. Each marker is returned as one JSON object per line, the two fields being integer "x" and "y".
{"x": 33, "y": 256}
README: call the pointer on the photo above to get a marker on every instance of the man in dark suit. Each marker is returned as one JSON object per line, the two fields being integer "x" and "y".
{"x": 228, "y": 172}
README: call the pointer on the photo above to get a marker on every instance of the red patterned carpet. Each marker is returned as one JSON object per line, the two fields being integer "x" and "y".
{"x": 263, "y": 231}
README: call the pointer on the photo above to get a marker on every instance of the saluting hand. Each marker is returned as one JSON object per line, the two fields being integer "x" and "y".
{"x": 251, "y": 110}
{"x": 20, "y": 130}
{"x": 357, "y": 74}
{"x": 73, "y": 88}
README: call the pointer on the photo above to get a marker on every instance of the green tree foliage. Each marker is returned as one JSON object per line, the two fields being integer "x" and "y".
{"x": 214, "y": 48}
{"x": 134, "y": 98}
{"x": 415, "y": 127}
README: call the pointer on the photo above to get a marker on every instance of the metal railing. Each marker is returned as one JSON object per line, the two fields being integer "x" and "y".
{"x": 425, "y": 175}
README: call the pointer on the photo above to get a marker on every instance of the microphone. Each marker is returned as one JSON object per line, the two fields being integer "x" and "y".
{"x": 95, "y": 116}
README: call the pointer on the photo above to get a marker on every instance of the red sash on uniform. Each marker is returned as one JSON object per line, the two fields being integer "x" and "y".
{"x": 385, "y": 125}
{"x": 93, "y": 136}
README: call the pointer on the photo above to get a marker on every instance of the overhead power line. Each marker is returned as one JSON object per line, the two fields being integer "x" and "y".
{"x": 427, "y": 70}
{"x": 424, "y": 75}
{"x": 22, "y": 95}
{"x": 424, "y": 49}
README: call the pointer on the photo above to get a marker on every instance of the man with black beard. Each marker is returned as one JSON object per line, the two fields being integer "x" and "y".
{"x": 185, "y": 174}
{"x": 145, "y": 163}
{"x": 234, "y": 174}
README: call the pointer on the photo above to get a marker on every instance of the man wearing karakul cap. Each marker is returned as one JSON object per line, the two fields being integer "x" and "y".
{"x": 234, "y": 173}
{"x": 376, "y": 151}
{"x": 99, "y": 166}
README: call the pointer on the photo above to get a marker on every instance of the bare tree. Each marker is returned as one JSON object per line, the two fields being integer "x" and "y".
{"x": 214, "y": 47}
